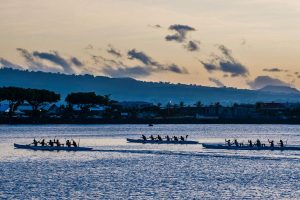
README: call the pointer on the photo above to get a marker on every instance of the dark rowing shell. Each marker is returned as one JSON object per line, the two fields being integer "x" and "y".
{"x": 160, "y": 142}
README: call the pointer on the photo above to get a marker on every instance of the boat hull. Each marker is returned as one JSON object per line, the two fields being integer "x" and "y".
{"x": 221, "y": 146}
{"x": 160, "y": 142}
{"x": 48, "y": 148}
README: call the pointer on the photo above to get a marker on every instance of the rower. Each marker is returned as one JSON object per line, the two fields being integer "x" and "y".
{"x": 250, "y": 143}
{"x": 228, "y": 142}
{"x": 181, "y": 138}
{"x": 57, "y": 143}
{"x": 42, "y": 142}
{"x": 258, "y": 143}
{"x": 144, "y": 137}
{"x": 35, "y": 143}
{"x": 236, "y": 142}
{"x": 281, "y": 143}
{"x": 74, "y": 143}
{"x": 159, "y": 138}
{"x": 271, "y": 143}
{"x": 168, "y": 138}
{"x": 151, "y": 137}
{"x": 51, "y": 143}
{"x": 175, "y": 138}
{"x": 68, "y": 143}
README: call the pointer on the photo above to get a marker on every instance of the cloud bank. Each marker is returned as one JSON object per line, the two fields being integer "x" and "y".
{"x": 262, "y": 81}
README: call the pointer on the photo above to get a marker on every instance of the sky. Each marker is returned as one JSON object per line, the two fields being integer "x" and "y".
{"x": 234, "y": 43}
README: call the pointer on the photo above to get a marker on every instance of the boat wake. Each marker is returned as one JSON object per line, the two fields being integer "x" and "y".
{"x": 200, "y": 154}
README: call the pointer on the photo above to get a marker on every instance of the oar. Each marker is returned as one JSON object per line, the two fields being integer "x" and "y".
{"x": 78, "y": 142}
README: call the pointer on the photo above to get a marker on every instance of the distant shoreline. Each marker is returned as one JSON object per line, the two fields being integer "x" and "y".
{"x": 147, "y": 121}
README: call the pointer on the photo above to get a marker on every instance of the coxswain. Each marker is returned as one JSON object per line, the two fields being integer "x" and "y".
{"x": 281, "y": 143}
{"x": 74, "y": 143}
{"x": 250, "y": 143}
{"x": 51, "y": 143}
{"x": 144, "y": 137}
{"x": 175, "y": 138}
{"x": 42, "y": 142}
{"x": 68, "y": 143}
{"x": 35, "y": 143}
{"x": 228, "y": 142}
{"x": 271, "y": 143}
{"x": 168, "y": 138}
{"x": 181, "y": 138}
{"x": 159, "y": 138}
{"x": 151, "y": 137}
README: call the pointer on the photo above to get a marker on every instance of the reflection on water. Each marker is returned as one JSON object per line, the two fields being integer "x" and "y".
{"x": 120, "y": 170}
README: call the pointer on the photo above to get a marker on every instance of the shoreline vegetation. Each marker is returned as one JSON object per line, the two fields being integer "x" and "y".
{"x": 38, "y": 106}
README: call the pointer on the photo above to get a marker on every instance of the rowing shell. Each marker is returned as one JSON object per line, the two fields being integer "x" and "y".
{"x": 221, "y": 146}
{"x": 160, "y": 141}
{"x": 54, "y": 148}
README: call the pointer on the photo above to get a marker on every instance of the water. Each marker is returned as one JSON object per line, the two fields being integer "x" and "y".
{"x": 119, "y": 170}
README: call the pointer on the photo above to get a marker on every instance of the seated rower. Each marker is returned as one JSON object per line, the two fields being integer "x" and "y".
{"x": 159, "y": 138}
{"x": 168, "y": 138}
{"x": 144, "y": 137}
{"x": 151, "y": 137}
{"x": 35, "y": 143}
{"x": 236, "y": 142}
{"x": 181, "y": 138}
{"x": 271, "y": 143}
{"x": 42, "y": 142}
{"x": 68, "y": 143}
{"x": 175, "y": 138}
{"x": 74, "y": 143}
{"x": 51, "y": 143}
{"x": 58, "y": 143}
{"x": 228, "y": 142}
{"x": 250, "y": 143}
{"x": 258, "y": 143}
{"x": 281, "y": 143}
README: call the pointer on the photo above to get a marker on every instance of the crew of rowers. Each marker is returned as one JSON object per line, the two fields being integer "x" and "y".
{"x": 54, "y": 142}
{"x": 168, "y": 138}
{"x": 251, "y": 144}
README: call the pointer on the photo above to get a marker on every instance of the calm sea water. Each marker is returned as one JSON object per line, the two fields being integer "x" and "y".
{"x": 119, "y": 170}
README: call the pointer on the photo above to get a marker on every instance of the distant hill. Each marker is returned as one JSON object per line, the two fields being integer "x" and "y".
{"x": 280, "y": 89}
{"x": 128, "y": 89}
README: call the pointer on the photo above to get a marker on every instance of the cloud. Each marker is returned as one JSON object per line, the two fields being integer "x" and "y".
{"x": 114, "y": 51}
{"x": 226, "y": 64}
{"x": 118, "y": 69}
{"x": 234, "y": 68}
{"x": 217, "y": 82}
{"x": 262, "y": 81}
{"x": 176, "y": 69}
{"x": 192, "y": 45}
{"x": 209, "y": 66}
{"x": 31, "y": 61}
{"x": 142, "y": 57}
{"x": 76, "y": 62}
{"x": 156, "y": 26}
{"x": 274, "y": 69}
{"x": 181, "y": 32}
{"x": 136, "y": 71}
{"x": 6, "y": 63}
{"x": 54, "y": 58}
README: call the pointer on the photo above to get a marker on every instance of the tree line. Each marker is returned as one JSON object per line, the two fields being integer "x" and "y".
{"x": 36, "y": 98}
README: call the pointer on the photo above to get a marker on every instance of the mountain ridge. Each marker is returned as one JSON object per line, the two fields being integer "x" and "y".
{"x": 129, "y": 89}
